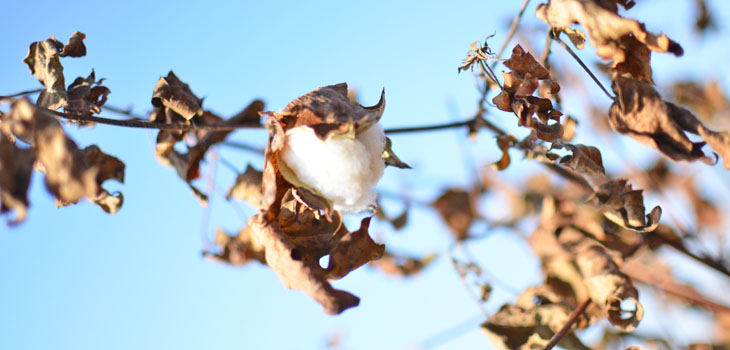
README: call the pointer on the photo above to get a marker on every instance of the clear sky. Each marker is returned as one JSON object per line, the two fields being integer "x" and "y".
{"x": 77, "y": 278}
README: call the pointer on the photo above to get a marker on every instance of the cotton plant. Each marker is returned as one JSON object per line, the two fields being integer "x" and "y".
{"x": 332, "y": 148}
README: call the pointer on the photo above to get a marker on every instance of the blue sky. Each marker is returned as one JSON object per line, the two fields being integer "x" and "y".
{"x": 77, "y": 278}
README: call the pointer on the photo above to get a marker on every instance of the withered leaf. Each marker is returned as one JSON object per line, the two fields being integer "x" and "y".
{"x": 607, "y": 286}
{"x": 586, "y": 160}
{"x": 86, "y": 96}
{"x": 504, "y": 142}
{"x": 457, "y": 209}
{"x": 515, "y": 327}
{"x": 329, "y": 109}
{"x": 44, "y": 63}
{"x": 75, "y": 46}
{"x": 236, "y": 250}
{"x": 390, "y": 157}
{"x": 174, "y": 102}
{"x": 172, "y": 93}
{"x": 615, "y": 37}
{"x": 402, "y": 265}
{"x": 640, "y": 112}
{"x": 16, "y": 165}
{"x": 519, "y": 85}
{"x": 71, "y": 173}
{"x": 248, "y": 187}
{"x": 625, "y": 206}
{"x": 293, "y": 252}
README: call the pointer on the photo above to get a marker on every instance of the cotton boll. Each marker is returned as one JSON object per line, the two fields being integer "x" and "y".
{"x": 344, "y": 170}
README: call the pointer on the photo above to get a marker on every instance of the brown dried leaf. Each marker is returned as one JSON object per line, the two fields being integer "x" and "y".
{"x": 248, "y": 187}
{"x": 607, "y": 286}
{"x": 515, "y": 327}
{"x": 625, "y": 206}
{"x": 71, "y": 174}
{"x": 390, "y": 157}
{"x": 175, "y": 95}
{"x": 86, "y": 96}
{"x": 519, "y": 85}
{"x": 615, "y": 37}
{"x": 293, "y": 252}
{"x": 457, "y": 209}
{"x": 402, "y": 265}
{"x": 640, "y": 112}
{"x": 504, "y": 142}
{"x": 236, "y": 250}
{"x": 16, "y": 165}
{"x": 708, "y": 100}
{"x": 329, "y": 109}
{"x": 44, "y": 63}
{"x": 585, "y": 160}
{"x": 75, "y": 46}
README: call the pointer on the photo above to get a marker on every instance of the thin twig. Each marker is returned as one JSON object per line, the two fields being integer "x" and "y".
{"x": 583, "y": 65}
{"x": 568, "y": 325}
{"x": 127, "y": 112}
{"x": 512, "y": 30}
{"x": 243, "y": 146}
{"x": 153, "y": 125}
{"x": 428, "y": 127}
{"x": 22, "y": 93}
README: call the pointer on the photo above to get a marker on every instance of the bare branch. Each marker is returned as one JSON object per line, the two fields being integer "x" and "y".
{"x": 568, "y": 325}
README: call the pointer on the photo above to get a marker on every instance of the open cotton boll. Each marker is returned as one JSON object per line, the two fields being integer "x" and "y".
{"x": 343, "y": 170}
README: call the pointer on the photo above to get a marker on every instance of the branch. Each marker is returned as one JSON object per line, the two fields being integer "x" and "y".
{"x": 153, "y": 125}
{"x": 22, "y": 93}
{"x": 243, "y": 146}
{"x": 568, "y": 325}
{"x": 429, "y": 127}
{"x": 127, "y": 112}
{"x": 512, "y": 30}
{"x": 583, "y": 65}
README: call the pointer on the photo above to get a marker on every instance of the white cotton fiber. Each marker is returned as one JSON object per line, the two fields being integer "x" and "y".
{"x": 342, "y": 169}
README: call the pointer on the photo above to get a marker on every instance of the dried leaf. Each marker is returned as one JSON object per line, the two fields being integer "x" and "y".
{"x": 175, "y": 103}
{"x": 248, "y": 187}
{"x": 514, "y": 327}
{"x": 402, "y": 265}
{"x": 16, "y": 165}
{"x": 519, "y": 85}
{"x": 75, "y": 46}
{"x": 504, "y": 142}
{"x": 295, "y": 258}
{"x": 86, "y": 96}
{"x": 390, "y": 157}
{"x": 236, "y": 250}
{"x": 328, "y": 109}
{"x": 175, "y": 95}
{"x": 640, "y": 112}
{"x": 71, "y": 174}
{"x": 43, "y": 61}
{"x": 585, "y": 160}
{"x": 457, "y": 209}
{"x": 615, "y": 37}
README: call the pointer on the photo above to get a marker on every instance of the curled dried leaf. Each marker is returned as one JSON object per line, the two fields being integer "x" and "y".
{"x": 504, "y": 142}
{"x": 248, "y": 187}
{"x": 615, "y": 37}
{"x": 86, "y": 96}
{"x": 16, "y": 166}
{"x": 640, "y": 112}
{"x": 519, "y": 85}
{"x": 402, "y": 265}
{"x": 457, "y": 208}
{"x": 173, "y": 94}
{"x": 71, "y": 173}
{"x": 327, "y": 110}
{"x": 44, "y": 63}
